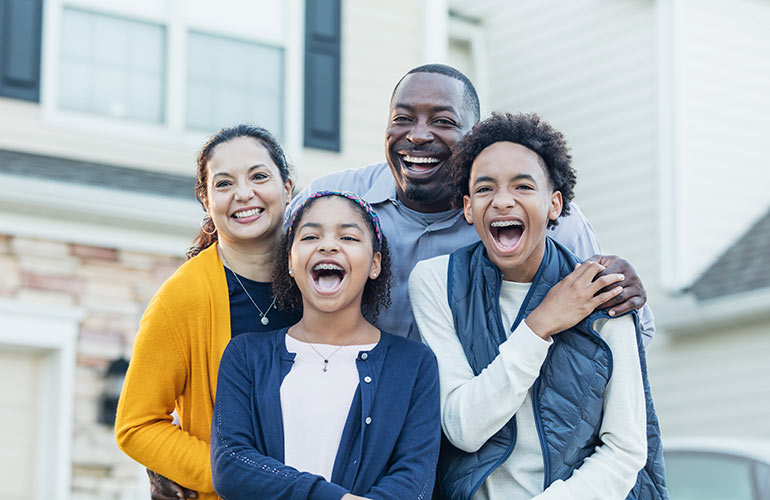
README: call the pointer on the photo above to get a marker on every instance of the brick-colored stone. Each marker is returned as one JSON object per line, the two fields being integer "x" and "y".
{"x": 5, "y": 244}
{"x": 95, "y": 253}
{"x": 63, "y": 284}
{"x": 55, "y": 266}
{"x": 40, "y": 248}
{"x": 100, "y": 344}
{"x": 44, "y": 297}
{"x": 10, "y": 275}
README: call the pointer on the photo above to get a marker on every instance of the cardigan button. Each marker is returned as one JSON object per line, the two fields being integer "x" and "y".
{"x": 368, "y": 420}
{"x": 368, "y": 379}
{"x": 364, "y": 355}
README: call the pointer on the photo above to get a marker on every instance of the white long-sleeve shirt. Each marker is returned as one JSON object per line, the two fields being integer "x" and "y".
{"x": 474, "y": 408}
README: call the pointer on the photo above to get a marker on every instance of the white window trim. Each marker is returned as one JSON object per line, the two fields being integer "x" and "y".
{"x": 50, "y": 331}
{"x": 474, "y": 35}
{"x": 172, "y": 132}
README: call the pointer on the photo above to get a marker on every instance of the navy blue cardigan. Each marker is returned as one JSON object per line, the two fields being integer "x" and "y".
{"x": 389, "y": 446}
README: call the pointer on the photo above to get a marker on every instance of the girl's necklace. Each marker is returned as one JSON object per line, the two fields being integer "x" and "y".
{"x": 262, "y": 315}
{"x": 327, "y": 357}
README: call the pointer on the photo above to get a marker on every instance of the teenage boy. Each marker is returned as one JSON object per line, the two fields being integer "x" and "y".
{"x": 540, "y": 396}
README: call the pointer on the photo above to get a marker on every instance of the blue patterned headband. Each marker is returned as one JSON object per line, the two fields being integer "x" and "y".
{"x": 345, "y": 194}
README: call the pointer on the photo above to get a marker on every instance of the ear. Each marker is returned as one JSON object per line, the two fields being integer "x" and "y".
{"x": 376, "y": 267}
{"x": 287, "y": 187}
{"x": 556, "y": 205}
{"x": 467, "y": 209}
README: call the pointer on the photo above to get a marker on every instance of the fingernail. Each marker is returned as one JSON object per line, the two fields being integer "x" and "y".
{"x": 612, "y": 312}
{"x": 622, "y": 276}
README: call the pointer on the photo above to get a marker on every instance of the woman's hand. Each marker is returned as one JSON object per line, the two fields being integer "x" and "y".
{"x": 350, "y": 496}
{"x": 572, "y": 299}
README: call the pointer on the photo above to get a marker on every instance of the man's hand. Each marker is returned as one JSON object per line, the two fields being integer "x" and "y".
{"x": 633, "y": 295}
{"x": 162, "y": 488}
{"x": 573, "y": 298}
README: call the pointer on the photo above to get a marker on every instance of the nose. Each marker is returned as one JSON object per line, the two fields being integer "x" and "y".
{"x": 244, "y": 191}
{"x": 503, "y": 200}
{"x": 328, "y": 244}
{"x": 419, "y": 133}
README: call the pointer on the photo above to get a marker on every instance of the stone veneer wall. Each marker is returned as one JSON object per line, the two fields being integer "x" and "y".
{"x": 113, "y": 286}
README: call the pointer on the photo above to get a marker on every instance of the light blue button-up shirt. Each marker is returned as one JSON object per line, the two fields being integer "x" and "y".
{"x": 413, "y": 237}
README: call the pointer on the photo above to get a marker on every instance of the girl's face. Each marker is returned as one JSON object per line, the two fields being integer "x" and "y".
{"x": 331, "y": 256}
{"x": 245, "y": 195}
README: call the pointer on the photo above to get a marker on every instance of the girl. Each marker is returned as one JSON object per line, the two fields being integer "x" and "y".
{"x": 222, "y": 291}
{"x": 331, "y": 407}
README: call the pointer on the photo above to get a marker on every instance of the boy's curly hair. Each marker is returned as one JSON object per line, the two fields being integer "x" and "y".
{"x": 528, "y": 130}
{"x": 376, "y": 291}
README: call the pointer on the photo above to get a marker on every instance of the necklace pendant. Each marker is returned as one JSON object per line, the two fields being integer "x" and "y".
{"x": 326, "y": 364}
{"x": 265, "y": 321}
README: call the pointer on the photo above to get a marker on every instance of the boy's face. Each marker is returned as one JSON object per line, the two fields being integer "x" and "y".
{"x": 510, "y": 203}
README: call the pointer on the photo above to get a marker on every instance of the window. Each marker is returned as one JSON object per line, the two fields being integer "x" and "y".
{"x": 232, "y": 81}
{"x": 112, "y": 66}
{"x": 693, "y": 476}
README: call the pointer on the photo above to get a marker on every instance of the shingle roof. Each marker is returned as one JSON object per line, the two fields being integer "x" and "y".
{"x": 95, "y": 174}
{"x": 745, "y": 266}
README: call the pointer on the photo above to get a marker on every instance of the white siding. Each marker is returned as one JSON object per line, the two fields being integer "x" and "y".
{"x": 589, "y": 68}
{"x": 715, "y": 383}
{"x": 725, "y": 172}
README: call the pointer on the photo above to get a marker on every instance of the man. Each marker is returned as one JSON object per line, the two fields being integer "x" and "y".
{"x": 433, "y": 107}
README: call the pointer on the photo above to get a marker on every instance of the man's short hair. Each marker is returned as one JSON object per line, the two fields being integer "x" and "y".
{"x": 528, "y": 130}
{"x": 469, "y": 91}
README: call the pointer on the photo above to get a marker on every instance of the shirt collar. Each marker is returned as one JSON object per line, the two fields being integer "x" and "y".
{"x": 383, "y": 188}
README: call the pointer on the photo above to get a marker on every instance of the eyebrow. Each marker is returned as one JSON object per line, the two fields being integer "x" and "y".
{"x": 519, "y": 177}
{"x": 451, "y": 109}
{"x": 225, "y": 174}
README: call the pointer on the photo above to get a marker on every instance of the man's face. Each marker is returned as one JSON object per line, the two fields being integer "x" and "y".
{"x": 428, "y": 116}
{"x": 510, "y": 203}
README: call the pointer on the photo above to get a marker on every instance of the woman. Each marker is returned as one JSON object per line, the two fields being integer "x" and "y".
{"x": 331, "y": 407}
{"x": 223, "y": 290}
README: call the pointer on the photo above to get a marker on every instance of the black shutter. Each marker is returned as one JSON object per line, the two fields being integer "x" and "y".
{"x": 322, "y": 74}
{"x": 20, "y": 25}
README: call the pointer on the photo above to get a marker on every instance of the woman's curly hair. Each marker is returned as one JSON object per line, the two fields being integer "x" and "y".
{"x": 528, "y": 130}
{"x": 376, "y": 291}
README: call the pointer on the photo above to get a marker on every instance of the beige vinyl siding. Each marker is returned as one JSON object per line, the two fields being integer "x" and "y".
{"x": 726, "y": 118}
{"x": 380, "y": 42}
{"x": 19, "y": 391}
{"x": 714, "y": 383}
{"x": 589, "y": 68}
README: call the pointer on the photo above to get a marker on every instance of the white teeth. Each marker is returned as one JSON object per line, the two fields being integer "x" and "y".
{"x": 327, "y": 267}
{"x": 506, "y": 223}
{"x": 420, "y": 159}
{"x": 247, "y": 213}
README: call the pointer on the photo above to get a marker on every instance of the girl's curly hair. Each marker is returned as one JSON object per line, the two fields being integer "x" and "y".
{"x": 528, "y": 130}
{"x": 376, "y": 291}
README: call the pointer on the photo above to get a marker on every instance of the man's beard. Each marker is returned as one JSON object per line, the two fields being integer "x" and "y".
{"x": 419, "y": 193}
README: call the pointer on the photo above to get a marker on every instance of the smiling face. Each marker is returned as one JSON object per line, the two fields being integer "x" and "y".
{"x": 510, "y": 203}
{"x": 428, "y": 115}
{"x": 331, "y": 256}
{"x": 245, "y": 195}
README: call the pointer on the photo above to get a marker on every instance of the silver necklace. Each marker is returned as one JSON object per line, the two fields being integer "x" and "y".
{"x": 326, "y": 358}
{"x": 262, "y": 315}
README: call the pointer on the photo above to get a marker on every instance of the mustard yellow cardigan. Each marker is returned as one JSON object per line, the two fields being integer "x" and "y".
{"x": 175, "y": 361}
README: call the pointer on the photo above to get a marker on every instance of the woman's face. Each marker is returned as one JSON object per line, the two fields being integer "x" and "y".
{"x": 331, "y": 257}
{"x": 246, "y": 196}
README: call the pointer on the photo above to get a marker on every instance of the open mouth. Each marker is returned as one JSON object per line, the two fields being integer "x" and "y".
{"x": 420, "y": 166}
{"x": 327, "y": 277}
{"x": 248, "y": 214}
{"x": 506, "y": 233}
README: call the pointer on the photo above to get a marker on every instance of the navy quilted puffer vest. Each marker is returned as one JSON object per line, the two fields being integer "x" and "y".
{"x": 568, "y": 416}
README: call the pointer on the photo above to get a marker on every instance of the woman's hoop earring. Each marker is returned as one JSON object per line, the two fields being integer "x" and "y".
{"x": 205, "y": 222}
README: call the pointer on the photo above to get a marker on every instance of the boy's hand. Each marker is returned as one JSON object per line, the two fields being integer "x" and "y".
{"x": 573, "y": 298}
{"x": 163, "y": 488}
{"x": 633, "y": 295}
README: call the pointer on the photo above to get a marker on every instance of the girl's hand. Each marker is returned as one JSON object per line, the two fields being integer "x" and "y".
{"x": 572, "y": 299}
